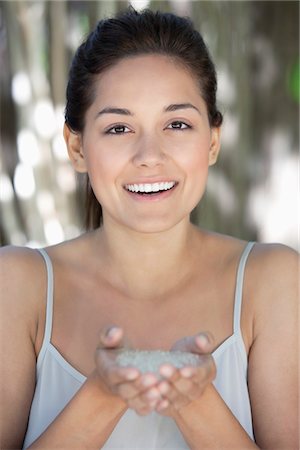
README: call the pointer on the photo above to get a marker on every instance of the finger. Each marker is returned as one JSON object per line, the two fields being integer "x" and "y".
{"x": 163, "y": 406}
{"x": 151, "y": 395}
{"x": 200, "y": 343}
{"x": 169, "y": 372}
{"x": 205, "y": 342}
{"x": 138, "y": 385}
{"x": 177, "y": 398}
{"x": 206, "y": 372}
{"x": 168, "y": 387}
{"x": 182, "y": 385}
{"x": 143, "y": 403}
{"x": 188, "y": 388}
{"x": 127, "y": 390}
{"x": 116, "y": 375}
{"x": 144, "y": 386}
{"x": 140, "y": 407}
{"x": 146, "y": 381}
{"x": 177, "y": 384}
{"x": 111, "y": 337}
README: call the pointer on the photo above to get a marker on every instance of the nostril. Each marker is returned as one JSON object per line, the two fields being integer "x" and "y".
{"x": 149, "y": 155}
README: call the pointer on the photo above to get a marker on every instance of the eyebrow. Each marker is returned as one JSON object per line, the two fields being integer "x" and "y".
{"x": 126, "y": 112}
{"x": 176, "y": 106}
{"x": 110, "y": 110}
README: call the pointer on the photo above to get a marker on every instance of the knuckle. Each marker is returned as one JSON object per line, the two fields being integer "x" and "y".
{"x": 124, "y": 392}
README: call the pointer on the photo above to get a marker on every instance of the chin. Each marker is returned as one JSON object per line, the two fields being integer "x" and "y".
{"x": 155, "y": 226}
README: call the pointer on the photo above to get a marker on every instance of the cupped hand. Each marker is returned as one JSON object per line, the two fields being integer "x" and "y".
{"x": 180, "y": 387}
{"x": 138, "y": 391}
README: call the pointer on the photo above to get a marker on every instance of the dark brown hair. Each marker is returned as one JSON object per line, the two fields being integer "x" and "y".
{"x": 133, "y": 33}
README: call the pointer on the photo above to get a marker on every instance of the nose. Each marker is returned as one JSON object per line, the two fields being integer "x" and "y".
{"x": 148, "y": 152}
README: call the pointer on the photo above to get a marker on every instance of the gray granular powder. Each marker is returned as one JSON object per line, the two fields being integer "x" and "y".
{"x": 151, "y": 360}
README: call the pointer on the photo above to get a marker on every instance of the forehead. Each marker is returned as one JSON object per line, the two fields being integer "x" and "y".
{"x": 146, "y": 77}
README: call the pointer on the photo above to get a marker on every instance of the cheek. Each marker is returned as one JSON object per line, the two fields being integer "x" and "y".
{"x": 103, "y": 164}
{"x": 195, "y": 159}
{"x": 196, "y": 170}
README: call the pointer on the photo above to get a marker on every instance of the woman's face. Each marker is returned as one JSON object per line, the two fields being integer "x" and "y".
{"x": 147, "y": 143}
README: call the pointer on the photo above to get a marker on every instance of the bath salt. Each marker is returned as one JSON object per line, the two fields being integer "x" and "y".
{"x": 151, "y": 360}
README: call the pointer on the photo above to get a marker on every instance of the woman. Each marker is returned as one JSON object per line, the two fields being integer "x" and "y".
{"x": 142, "y": 122}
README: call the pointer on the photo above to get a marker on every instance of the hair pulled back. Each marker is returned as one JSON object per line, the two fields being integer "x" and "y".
{"x": 131, "y": 33}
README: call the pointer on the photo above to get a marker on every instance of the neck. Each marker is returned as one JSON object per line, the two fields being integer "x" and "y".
{"x": 144, "y": 264}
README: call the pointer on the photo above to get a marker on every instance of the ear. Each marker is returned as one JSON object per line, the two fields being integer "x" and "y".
{"x": 74, "y": 146}
{"x": 215, "y": 145}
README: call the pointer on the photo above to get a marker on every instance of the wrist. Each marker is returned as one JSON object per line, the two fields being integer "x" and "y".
{"x": 197, "y": 405}
{"x": 99, "y": 389}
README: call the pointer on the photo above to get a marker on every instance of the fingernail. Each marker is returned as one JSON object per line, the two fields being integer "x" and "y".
{"x": 163, "y": 405}
{"x": 167, "y": 371}
{"x": 186, "y": 372}
{"x": 111, "y": 332}
{"x": 148, "y": 381}
{"x": 153, "y": 394}
{"x": 164, "y": 387}
{"x": 202, "y": 340}
{"x": 132, "y": 375}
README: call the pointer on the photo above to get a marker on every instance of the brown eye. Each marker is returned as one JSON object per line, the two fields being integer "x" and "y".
{"x": 178, "y": 125}
{"x": 118, "y": 129}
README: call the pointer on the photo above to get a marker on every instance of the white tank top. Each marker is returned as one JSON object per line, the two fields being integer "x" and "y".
{"x": 57, "y": 382}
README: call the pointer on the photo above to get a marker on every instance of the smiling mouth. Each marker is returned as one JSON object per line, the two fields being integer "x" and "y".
{"x": 150, "y": 188}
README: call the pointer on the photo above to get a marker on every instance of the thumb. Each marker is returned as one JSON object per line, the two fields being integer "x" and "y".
{"x": 111, "y": 337}
{"x": 201, "y": 343}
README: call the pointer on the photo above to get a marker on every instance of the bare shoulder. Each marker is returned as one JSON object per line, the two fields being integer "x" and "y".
{"x": 20, "y": 266}
{"x": 22, "y": 283}
{"x": 23, "y": 291}
{"x": 275, "y": 257}
{"x": 273, "y": 287}
{"x": 275, "y": 267}
{"x": 272, "y": 283}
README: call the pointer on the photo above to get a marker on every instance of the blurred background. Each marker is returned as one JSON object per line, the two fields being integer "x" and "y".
{"x": 253, "y": 191}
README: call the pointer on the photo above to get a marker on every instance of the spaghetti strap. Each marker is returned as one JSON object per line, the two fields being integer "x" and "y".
{"x": 239, "y": 288}
{"x": 49, "y": 305}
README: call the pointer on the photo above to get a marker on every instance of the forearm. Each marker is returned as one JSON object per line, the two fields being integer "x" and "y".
{"x": 208, "y": 423}
{"x": 86, "y": 422}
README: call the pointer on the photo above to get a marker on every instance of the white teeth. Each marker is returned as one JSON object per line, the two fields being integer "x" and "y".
{"x": 150, "y": 187}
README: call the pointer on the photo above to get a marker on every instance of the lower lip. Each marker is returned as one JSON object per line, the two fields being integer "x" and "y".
{"x": 152, "y": 197}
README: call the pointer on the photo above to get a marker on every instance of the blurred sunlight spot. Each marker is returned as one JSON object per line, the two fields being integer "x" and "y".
{"x": 266, "y": 68}
{"x": 211, "y": 37}
{"x": 45, "y": 203}
{"x": 60, "y": 116}
{"x": 274, "y": 206}
{"x": 53, "y": 231}
{"x": 230, "y": 130}
{"x": 18, "y": 238}
{"x": 45, "y": 119}
{"x": 75, "y": 32}
{"x": 34, "y": 244}
{"x": 6, "y": 189}
{"x": 219, "y": 187}
{"x": 24, "y": 181}
{"x": 139, "y": 4}
{"x": 182, "y": 7}
{"x": 59, "y": 148}
{"x": 65, "y": 177}
{"x": 21, "y": 89}
{"x": 226, "y": 89}
{"x": 28, "y": 149}
{"x": 71, "y": 231}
